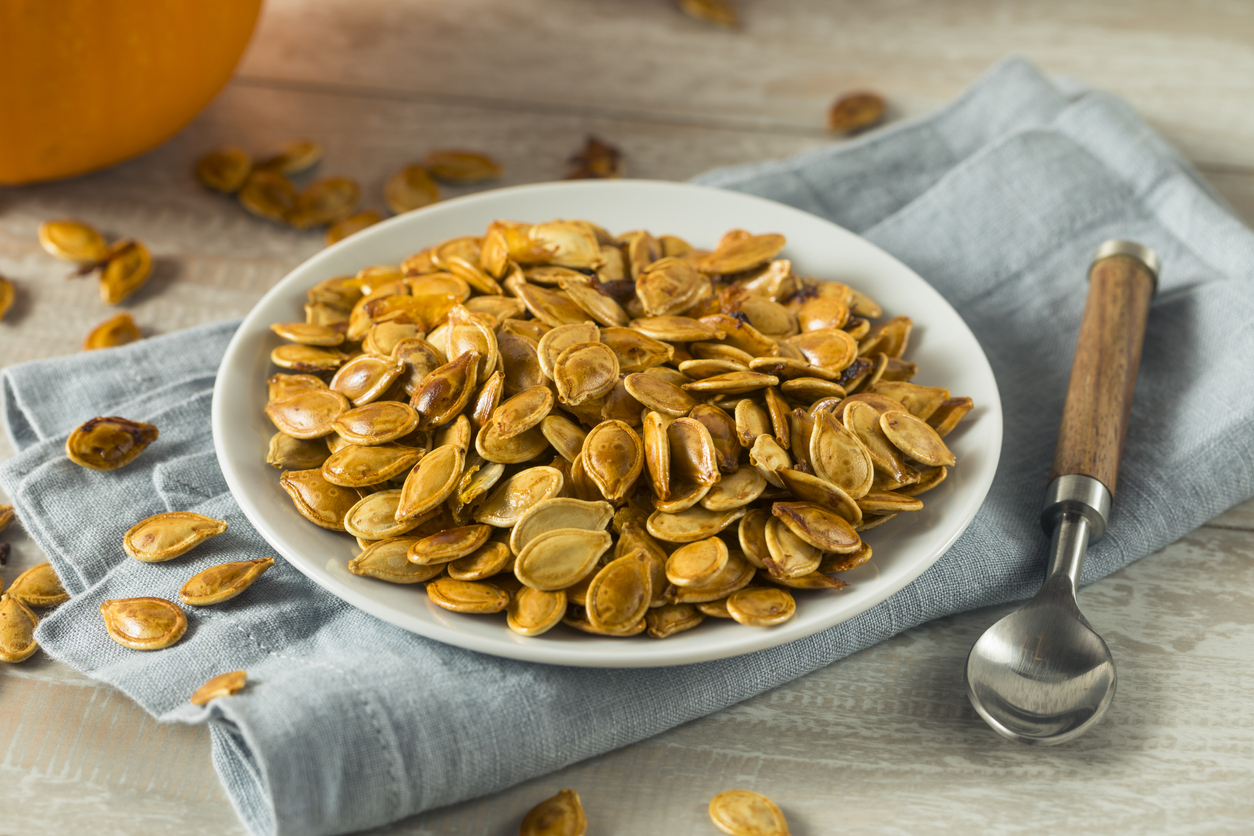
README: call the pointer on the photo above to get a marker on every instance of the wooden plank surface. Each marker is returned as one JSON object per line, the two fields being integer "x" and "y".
{"x": 884, "y": 742}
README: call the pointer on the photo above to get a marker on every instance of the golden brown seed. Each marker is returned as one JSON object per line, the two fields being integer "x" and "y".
{"x": 366, "y": 378}
{"x": 719, "y": 12}
{"x": 223, "y": 582}
{"x": 535, "y": 611}
{"x": 789, "y": 556}
{"x": 489, "y": 559}
{"x": 752, "y": 536}
{"x": 560, "y": 338}
{"x": 863, "y": 421}
{"x": 743, "y": 254}
{"x": 307, "y": 414}
{"x": 449, "y": 545}
{"x": 558, "y": 512}
{"x": 916, "y": 439}
{"x": 8, "y": 293}
{"x": 635, "y": 351}
{"x": 526, "y": 489}
{"x": 696, "y": 563}
{"x": 887, "y": 502}
{"x": 737, "y": 490}
{"x": 613, "y": 457}
{"x": 948, "y": 414}
{"x": 595, "y": 303}
{"x": 930, "y": 478}
{"x": 734, "y": 576}
{"x": 550, "y": 307}
{"x": 761, "y": 606}
{"x": 839, "y": 457}
{"x": 307, "y": 358}
{"x": 560, "y": 557}
{"x": 768, "y": 456}
{"x": 269, "y": 195}
{"x": 114, "y": 331}
{"x": 521, "y": 448}
{"x": 821, "y": 527}
{"x": 224, "y": 169}
{"x": 597, "y": 160}
{"x": 72, "y": 240}
{"x": 810, "y": 488}
{"x": 669, "y": 619}
{"x": 39, "y": 586}
{"x": 744, "y": 813}
{"x": 373, "y": 517}
{"x": 166, "y": 536}
{"x": 455, "y": 166}
{"x": 17, "y": 630}
{"x": 143, "y": 623}
{"x": 222, "y": 685}
{"x": 341, "y": 229}
{"x": 317, "y": 500}
{"x": 325, "y": 202}
{"x": 431, "y": 482}
{"x": 733, "y": 383}
{"x": 127, "y": 265}
{"x": 108, "y": 443}
{"x": 565, "y": 435}
{"x": 585, "y": 371}
{"x": 444, "y": 392}
{"x": 388, "y": 560}
{"x": 751, "y": 421}
{"x": 693, "y": 459}
{"x": 293, "y": 157}
{"x": 7, "y": 516}
{"x": 282, "y": 386}
{"x": 523, "y": 411}
{"x": 467, "y": 596}
{"x": 306, "y": 334}
{"x": 658, "y": 395}
{"x": 376, "y": 423}
{"x": 561, "y": 815}
{"x": 410, "y": 188}
{"x": 854, "y": 112}
{"x": 845, "y": 562}
{"x": 920, "y": 401}
{"x": 691, "y": 525}
{"x": 620, "y": 593}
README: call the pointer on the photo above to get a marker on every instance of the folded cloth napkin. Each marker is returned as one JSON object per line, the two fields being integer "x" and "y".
{"x": 999, "y": 200}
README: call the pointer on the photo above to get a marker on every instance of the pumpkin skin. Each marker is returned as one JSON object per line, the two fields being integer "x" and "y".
{"x": 88, "y": 83}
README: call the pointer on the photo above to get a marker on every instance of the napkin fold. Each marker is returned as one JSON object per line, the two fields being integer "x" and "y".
{"x": 998, "y": 200}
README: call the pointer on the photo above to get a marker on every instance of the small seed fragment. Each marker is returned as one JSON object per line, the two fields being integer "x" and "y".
{"x": 222, "y": 685}
{"x": 143, "y": 623}
{"x": 223, "y": 582}
{"x": 854, "y": 112}
{"x": 108, "y": 443}
{"x": 115, "y": 331}
{"x": 561, "y": 815}
{"x": 745, "y": 813}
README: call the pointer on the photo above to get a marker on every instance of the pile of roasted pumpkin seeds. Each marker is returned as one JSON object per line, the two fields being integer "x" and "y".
{"x": 620, "y": 433}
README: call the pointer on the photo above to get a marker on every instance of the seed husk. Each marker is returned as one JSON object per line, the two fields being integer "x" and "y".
{"x": 863, "y": 420}
{"x": 351, "y": 225}
{"x": 410, "y": 188}
{"x": 613, "y": 457}
{"x": 114, "y": 331}
{"x": 694, "y": 524}
{"x": 696, "y": 563}
{"x": 789, "y": 556}
{"x": 658, "y": 395}
{"x": 669, "y": 619}
{"x": 839, "y": 456}
{"x": 366, "y": 378}
{"x": 7, "y": 516}
{"x": 293, "y": 157}
{"x": 635, "y": 351}
{"x": 488, "y": 560}
{"x": 768, "y": 456}
{"x": 143, "y": 623}
{"x": 166, "y": 536}
{"x": 558, "y": 512}
{"x": 467, "y": 596}
{"x": 520, "y": 492}
{"x": 532, "y": 612}
{"x": 821, "y": 527}
{"x": 551, "y": 307}
{"x": 948, "y": 414}
{"x": 752, "y": 536}
{"x": 745, "y": 813}
{"x": 523, "y": 411}
{"x": 620, "y": 592}
{"x": 743, "y": 254}
{"x": 887, "y": 502}
{"x": 8, "y": 293}
{"x": 108, "y": 443}
{"x": 444, "y": 392}
{"x": 307, "y": 358}
{"x": 126, "y": 267}
{"x": 844, "y": 562}
{"x": 71, "y": 240}
{"x": 737, "y": 490}
{"x": 560, "y": 557}
{"x": 388, "y": 560}
{"x": 722, "y": 428}
{"x": 222, "y": 685}
{"x": 585, "y": 371}
{"x": 854, "y": 112}
{"x": 761, "y": 606}
{"x": 325, "y": 202}
{"x": 317, "y": 500}
{"x": 693, "y": 459}
{"x": 751, "y": 421}
{"x": 457, "y": 166}
{"x": 565, "y": 435}
{"x": 282, "y": 386}
{"x": 17, "y": 630}
{"x": 521, "y": 448}
{"x": 734, "y": 576}
{"x": 357, "y": 466}
{"x": 373, "y": 517}
{"x": 39, "y": 586}
{"x": 930, "y": 478}
{"x": 431, "y": 481}
{"x": 307, "y": 414}
{"x": 810, "y": 488}
{"x": 375, "y": 423}
{"x": 916, "y": 439}
{"x": 223, "y": 582}
{"x": 268, "y": 195}
{"x": 578, "y": 620}
{"x": 449, "y": 545}
{"x": 561, "y": 815}
{"x": 919, "y": 401}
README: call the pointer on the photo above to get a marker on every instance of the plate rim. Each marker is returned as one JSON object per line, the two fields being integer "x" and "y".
{"x": 538, "y": 651}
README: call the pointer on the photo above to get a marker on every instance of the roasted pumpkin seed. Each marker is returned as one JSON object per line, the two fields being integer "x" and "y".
{"x": 467, "y": 596}
{"x": 17, "y": 630}
{"x": 71, "y": 240}
{"x": 222, "y": 685}
{"x": 127, "y": 265}
{"x": 388, "y": 560}
{"x": 410, "y": 188}
{"x": 512, "y": 498}
{"x": 115, "y": 331}
{"x": 223, "y": 582}
{"x": 744, "y": 813}
{"x": 561, "y": 815}
{"x": 166, "y": 536}
{"x": 108, "y": 443}
{"x": 143, "y": 623}
{"x": 317, "y": 500}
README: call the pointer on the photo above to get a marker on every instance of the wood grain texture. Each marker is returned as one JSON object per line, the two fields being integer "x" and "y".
{"x": 1103, "y": 373}
{"x": 881, "y": 743}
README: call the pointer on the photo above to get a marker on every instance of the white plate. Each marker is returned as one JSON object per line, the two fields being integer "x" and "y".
{"x": 942, "y": 345}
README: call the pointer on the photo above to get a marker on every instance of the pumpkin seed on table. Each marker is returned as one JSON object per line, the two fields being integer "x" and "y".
{"x": 109, "y": 443}
{"x": 561, "y": 815}
{"x": 169, "y": 535}
{"x": 223, "y": 582}
{"x": 456, "y": 166}
{"x": 745, "y": 813}
{"x": 17, "y": 630}
{"x": 7, "y": 294}
{"x": 143, "y": 623}
{"x": 351, "y": 225}
{"x": 292, "y": 157}
{"x": 114, "y": 331}
{"x": 719, "y": 12}
{"x": 854, "y": 112}
{"x": 325, "y": 202}
{"x": 127, "y": 266}
{"x": 38, "y": 586}
{"x": 224, "y": 169}
{"x": 523, "y": 382}
{"x": 269, "y": 195}
{"x": 7, "y": 516}
{"x": 71, "y": 240}
{"x": 222, "y": 685}
{"x": 410, "y": 188}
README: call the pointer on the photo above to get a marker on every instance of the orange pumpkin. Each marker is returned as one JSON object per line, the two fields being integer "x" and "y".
{"x": 86, "y": 83}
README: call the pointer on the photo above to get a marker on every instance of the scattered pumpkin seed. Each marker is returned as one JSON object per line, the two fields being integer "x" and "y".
{"x": 223, "y": 582}
{"x": 108, "y": 443}
{"x": 222, "y": 685}
{"x": 143, "y": 623}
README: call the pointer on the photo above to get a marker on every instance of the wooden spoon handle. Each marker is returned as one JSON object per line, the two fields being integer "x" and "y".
{"x": 1122, "y": 281}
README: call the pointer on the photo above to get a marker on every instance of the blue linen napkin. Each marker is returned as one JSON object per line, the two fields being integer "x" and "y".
{"x": 998, "y": 200}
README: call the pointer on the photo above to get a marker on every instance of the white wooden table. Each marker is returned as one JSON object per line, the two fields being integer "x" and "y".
{"x": 883, "y": 742}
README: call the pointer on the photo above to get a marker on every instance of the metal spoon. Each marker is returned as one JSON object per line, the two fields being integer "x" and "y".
{"x": 1042, "y": 675}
